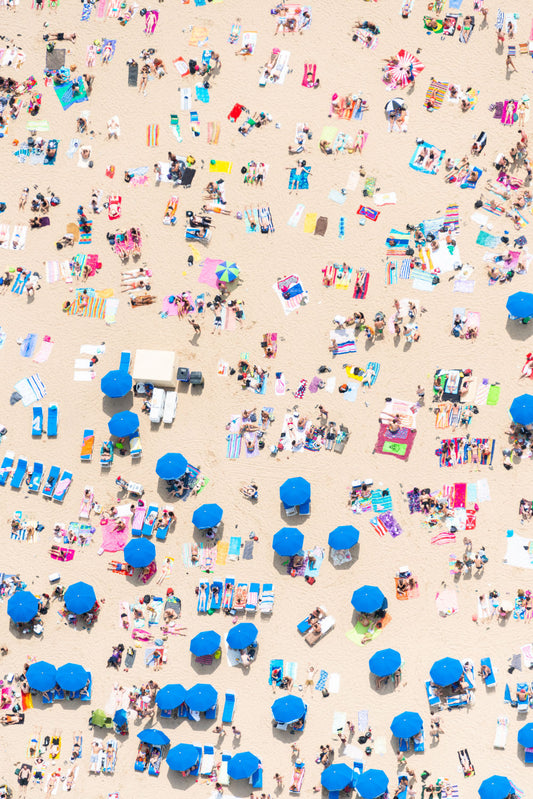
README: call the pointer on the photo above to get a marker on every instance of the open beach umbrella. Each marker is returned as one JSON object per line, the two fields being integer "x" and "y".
{"x": 337, "y": 776}
{"x": 182, "y": 757}
{"x": 23, "y": 606}
{"x": 41, "y": 676}
{"x": 207, "y": 515}
{"x": 79, "y": 597}
{"x": 446, "y": 671}
{"x": 368, "y": 599}
{"x": 396, "y": 104}
{"x": 125, "y": 423}
{"x": 72, "y": 677}
{"x": 116, "y": 383}
{"x": 201, "y": 696}
{"x": 496, "y": 787}
{"x": 372, "y": 783}
{"x": 139, "y": 552}
{"x": 153, "y": 737}
{"x": 287, "y": 541}
{"x": 406, "y": 724}
{"x": 295, "y": 491}
{"x": 385, "y": 662}
{"x": 171, "y": 466}
{"x": 205, "y": 643}
{"x": 170, "y": 696}
{"x": 242, "y": 635}
{"x": 343, "y": 537}
{"x": 521, "y": 409}
{"x": 120, "y": 718}
{"x": 227, "y": 273}
{"x": 525, "y": 733}
{"x": 288, "y": 708}
{"x": 407, "y": 68}
{"x": 243, "y": 765}
{"x": 520, "y": 304}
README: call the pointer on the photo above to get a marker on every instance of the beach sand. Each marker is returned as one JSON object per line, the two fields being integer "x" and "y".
{"x": 198, "y": 431}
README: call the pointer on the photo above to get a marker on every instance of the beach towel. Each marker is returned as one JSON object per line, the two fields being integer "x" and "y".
{"x": 322, "y": 680}
{"x": 296, "y": 216}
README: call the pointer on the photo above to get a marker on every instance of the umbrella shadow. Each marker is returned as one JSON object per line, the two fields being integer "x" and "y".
{"x": 291, "y": 521}
{"x": 518, "y": 331}
{"x": 110, "y": 405}
{"x": 204, "y": 668}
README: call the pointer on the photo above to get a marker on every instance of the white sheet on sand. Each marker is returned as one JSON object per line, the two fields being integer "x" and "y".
{"x": 92, "y": 349}
{"x": 233, "y": 656}
{"x": 84, "y": 377}
{"x": 518, "y": 551}
{"x": 443, "y": 259}
{"x": 82, "y": 363}
{"x": 330, "y": 384}
{"x": 353, "y": 180}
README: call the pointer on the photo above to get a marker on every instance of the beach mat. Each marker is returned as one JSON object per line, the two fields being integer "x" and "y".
{"x": 55, "y": 59}
{"x": 133, "y": 74}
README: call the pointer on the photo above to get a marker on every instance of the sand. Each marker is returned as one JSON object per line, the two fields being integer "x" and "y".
{"x": 198, "y": 431}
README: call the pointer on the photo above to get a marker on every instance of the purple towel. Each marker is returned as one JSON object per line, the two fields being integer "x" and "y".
{"x": 314, "y": 385}
{"x": 390, "y": 523}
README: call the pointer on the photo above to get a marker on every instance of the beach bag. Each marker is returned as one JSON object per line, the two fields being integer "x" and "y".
{"x": 325, "y": 692}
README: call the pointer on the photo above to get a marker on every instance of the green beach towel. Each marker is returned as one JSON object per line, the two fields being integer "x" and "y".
{"x": 395, "y": 447}
{"x": 493, "y": 395}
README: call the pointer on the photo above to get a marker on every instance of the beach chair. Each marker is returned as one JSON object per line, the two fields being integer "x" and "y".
{"x": 110, "y": 760}
{"x": 7, "y": 465}
{"x": 305, "y": 509}
{"x": 106, "y": 458}
{"x": 241, "y": 596}
{"x": 404, "y": 744}
{"x": 136, "y": 449}
{"x": 490, "y": 681}
{"x": 157, "y": 404}
{"x": 223, "y": 776}
{"x": 125, "y": 361}
{"x": 139, "y": 515}
{"x": 208, "y": 761}
{"x": 196, "y": 770}
{"x": 51, "y": 426}
{"x": 211, "y": 712}
{"x": 229, "y": 708}
{"x": 203, "y": 594}
{"x": 51, "y": 480}
{"x": 290, "y": 511}
{"x": 19, "y": 473}
{"x": 229, "y": 589}
{"x": 528, "y": 754}
{"x": 342, "y": 438}
{"x": 36, "y": 477}
{"x": 151, "y": 516}
{"x": 418, "y": 741}
{"x": 523, "y": 704}
{"x": 275, "y": 664}
{"x": 253, "y": 598}
{"x": 169, "y": 408}
{"x": 502, "y": 730}
{"x": 216, "y": 595}
{"x": 63, "y": 485}
{"x": 256, "y": 780}
{"x": 162, "y": 531}
{"x": 433, "y": 699}
{"x": 86, "y": 503}
{"x": 87, "y": 445}
{"x": 37, "y": 422}
{"x": 297, "y": 778}
{"x": 154, "y": 766}
{"x": 266, "y": 602}
{"x": 143, "y": 756}
{"x": 326, "y": 624}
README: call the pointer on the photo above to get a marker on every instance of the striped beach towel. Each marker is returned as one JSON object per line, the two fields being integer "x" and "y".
{"x": 95, "y": 308}
{"x": 436, "y": 91}
{"x": 233, "y": 450}
{"x": 392, "y": 272}
{"x": 482, "y": 393}
{"x": 113, "y": 8}
{"x": 300, "y": 391}
{"x": 152, "y": 136}
{"x": 452, "y": 217}
{"x": 378, "y": 526}
{"x": 381, "y": 502}
{"x": 86, "y": 238}
{"x": 53, "y": 273}
{"x": 31, "y": 389}
{"x": 444, "y": 537}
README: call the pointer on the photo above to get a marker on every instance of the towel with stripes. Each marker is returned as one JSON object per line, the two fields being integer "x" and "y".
{"x": 234, "y": 446}
{"x": 86, "y": 237}
{"x": 381, "y": 501}
{"x": 152, "y": 136}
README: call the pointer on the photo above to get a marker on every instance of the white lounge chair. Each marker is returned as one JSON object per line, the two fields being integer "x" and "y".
{"x": 325, "y": 626}
{"x": 136, "y": 449}
{"x": 169, "y": 408}
{"x": 267, "y": 598}
{"x": 502, "y": 730}
{"x": 156, "y": 405}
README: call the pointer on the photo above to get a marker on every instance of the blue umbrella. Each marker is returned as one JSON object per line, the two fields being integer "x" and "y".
{"x": 153, "y": 737}
{"x": 337, "y": 776}
{"x": 23, "y": 606}
{"x": 496, "y": 787}
{"x": 205, "y": 643}
{"x": 201, "y": 696}
{"x": 125, "y": 423}
{"x": 79, "y": 597}
{"x": 385, "y": 662}
{"x": 288, "y": 541}
{"x": 171, "y": 466}
{"x": 406, "y": 724}
{"x": 288, "y": 708}
{"x": 343, "y": 537}
{"x": 520, "y": 304}
{"x": 72, "y": 677}
{"x": 41, "y": 676}
{"x": 116, "y": 383}
{"x": 525, "y": 733}
{"x": 521, "y": 409}
{"x": 242, "y": 635}
{"x": 207, "y": 515}
{"x": 170, "y": 696}
{"x": 295, "y": 491}
{"x": 368, "y": 599}
{"x": 139, "y": 552}
{"x": 446, "y": 671}
{"x": 182, "y": 757}
{"x": 243, "y": 765}
{"x": 372, "y": 783}
{"x": 120, "y": 718}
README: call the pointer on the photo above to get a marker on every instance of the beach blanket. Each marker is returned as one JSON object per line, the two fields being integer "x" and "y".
{"x": 397, "y": 444}
{"x": 113, "y": 540}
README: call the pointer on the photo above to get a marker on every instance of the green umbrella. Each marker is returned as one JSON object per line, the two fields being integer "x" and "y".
{"x": 227, "y": 273}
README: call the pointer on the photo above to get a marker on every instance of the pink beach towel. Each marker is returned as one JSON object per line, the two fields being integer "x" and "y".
{"x": 459, "y": 496}
{"x": 45, "y": 350}
{"x": 112, "y": 539}
{"x": 170, "y": 308}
